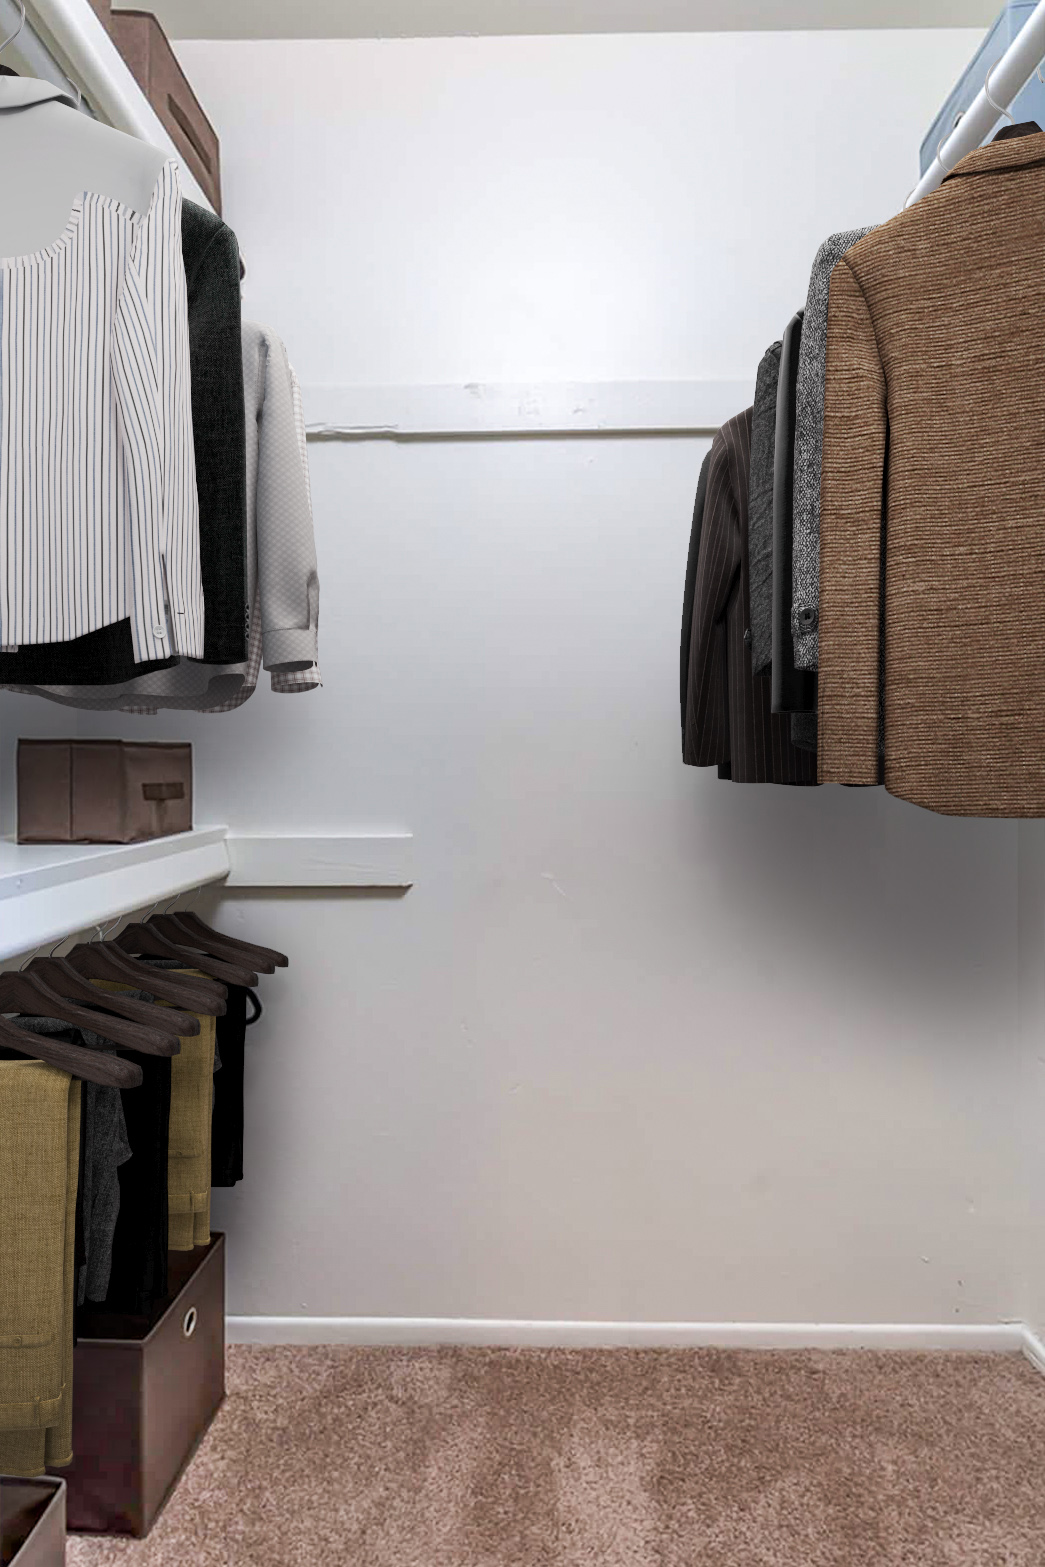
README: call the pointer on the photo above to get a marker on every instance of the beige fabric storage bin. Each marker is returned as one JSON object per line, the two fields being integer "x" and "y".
{"x": 102, "y": 791}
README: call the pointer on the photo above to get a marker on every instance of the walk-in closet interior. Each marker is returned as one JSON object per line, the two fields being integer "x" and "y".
{"x": 489, "y": 1078}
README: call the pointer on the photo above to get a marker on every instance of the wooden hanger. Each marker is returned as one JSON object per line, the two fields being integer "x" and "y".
{"x": 250, "y": 949}
{"x": 105, "y": 960}
{"x": 21, "y": 992}
{"x": 177, "y": 929}
{"x": 63, "y": 978}
{"x": 146, "y": 939}
{"x": 90, "y": 1066}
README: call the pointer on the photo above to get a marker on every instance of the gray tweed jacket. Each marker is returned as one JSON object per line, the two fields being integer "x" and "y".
{"x": 809, "y": 445}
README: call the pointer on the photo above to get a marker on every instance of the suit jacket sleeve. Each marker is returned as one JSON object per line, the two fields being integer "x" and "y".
{"x": 707, "y": 718}
{"x": 689, "y": 592}
{"x": 851, "y": 502}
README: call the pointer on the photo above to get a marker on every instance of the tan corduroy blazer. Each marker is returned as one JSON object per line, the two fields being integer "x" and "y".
{"x": 932, "y": 507}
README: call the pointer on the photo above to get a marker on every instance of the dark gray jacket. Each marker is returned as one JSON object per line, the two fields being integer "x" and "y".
{"x": 760, "y": 509}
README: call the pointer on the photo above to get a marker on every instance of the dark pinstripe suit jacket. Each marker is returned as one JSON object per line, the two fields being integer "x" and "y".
{"x": 729, "y": 720}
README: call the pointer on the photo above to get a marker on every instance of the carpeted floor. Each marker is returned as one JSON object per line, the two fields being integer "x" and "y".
{"x": 609, "y": 1458}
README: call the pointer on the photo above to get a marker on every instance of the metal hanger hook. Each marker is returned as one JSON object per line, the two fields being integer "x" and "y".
{"x": 18, "y": 29}
{"x": 993, "y": 102}
{"x": 23, "y": 966}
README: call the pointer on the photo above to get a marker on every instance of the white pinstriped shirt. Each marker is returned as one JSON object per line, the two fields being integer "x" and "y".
{"x": 98, "y": 509}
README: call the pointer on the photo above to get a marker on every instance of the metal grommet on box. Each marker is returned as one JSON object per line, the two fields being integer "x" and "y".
{"x": 188, "y": 1326}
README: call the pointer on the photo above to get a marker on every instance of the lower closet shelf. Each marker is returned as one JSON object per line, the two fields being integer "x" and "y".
{"x": 144, "y": 1393}
{"x": 32, "y": 1522}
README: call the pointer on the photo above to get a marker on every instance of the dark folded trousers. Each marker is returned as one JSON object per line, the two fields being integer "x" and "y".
{"x": 226, "y": 1143}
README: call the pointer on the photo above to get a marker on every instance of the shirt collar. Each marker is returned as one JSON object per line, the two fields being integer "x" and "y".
{"x": 19, "y": 92}
{"x": 1024, "y": 128}
{"x": 1004, "y": 153}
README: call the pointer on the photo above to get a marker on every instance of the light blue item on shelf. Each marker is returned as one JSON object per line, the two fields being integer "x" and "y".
{"x": 1029, "y": 105}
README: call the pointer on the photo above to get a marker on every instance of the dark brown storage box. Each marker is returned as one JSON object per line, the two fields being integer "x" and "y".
{"x": 32, "y": 1522}
{"x": 143, "y": 1397}
{"x": 102, "y": 791}
{"x": 143, "y": 44}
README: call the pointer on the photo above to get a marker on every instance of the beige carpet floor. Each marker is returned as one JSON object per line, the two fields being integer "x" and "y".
{"x": 609, "y": 1458}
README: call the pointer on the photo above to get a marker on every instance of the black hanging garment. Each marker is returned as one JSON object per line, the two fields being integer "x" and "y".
{"x": 226, "y": 1143}
{"x": 139, "y": 1252}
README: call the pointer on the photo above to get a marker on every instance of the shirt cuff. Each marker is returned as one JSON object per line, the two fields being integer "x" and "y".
{"x": 296, "y": 647}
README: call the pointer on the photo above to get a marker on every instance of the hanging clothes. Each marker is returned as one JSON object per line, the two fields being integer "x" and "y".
{"x": 282, "y": 576}
{"x": 689, "y": 591}
{"x": 226, "y": 1155}
{"x": 211, "y": 258}
{"x": 138, "y": 1275}
{"x": 793, "y": 691}
{"x": 932, "y": 553}
{"x": 98, "y": 508}
{"x": 809, "y": 443}
{"x": 760, "y": 508}
{"x": 729, "y": 718}
{"x": 39, "y": 1163}
{"x": 103, "y": 1148}
{"x": 188, "y": 1149}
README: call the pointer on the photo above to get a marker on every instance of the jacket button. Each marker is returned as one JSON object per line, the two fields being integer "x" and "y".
{"x": 807, "y": 618}
{"x": 160, "y": 631}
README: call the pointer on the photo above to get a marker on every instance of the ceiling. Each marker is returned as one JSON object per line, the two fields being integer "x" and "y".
{"x": 435, "y": 18}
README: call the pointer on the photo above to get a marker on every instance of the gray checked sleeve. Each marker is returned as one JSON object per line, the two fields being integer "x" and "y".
{"x": 288, "y": 579}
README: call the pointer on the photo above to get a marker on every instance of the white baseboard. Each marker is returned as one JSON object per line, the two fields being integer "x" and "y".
{"x": 982, "y": 1338}
{"x": 1034, "y": 1350}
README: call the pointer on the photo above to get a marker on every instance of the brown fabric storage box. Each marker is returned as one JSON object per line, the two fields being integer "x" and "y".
{"x": 143, "y": 44}
{"x": 32, "y": 1522}
{"x": 102, "y": 791}
{"x": 143, "y": 1397}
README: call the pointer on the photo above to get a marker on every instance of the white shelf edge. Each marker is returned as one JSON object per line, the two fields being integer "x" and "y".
{"x": 345, "y": 860}
{"x": 50, "y": 891}
{"x": 550, "y": 408}
{"x": 74, "y": 36}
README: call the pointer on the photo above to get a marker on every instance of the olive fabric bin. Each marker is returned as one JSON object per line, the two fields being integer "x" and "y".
{"x": 143, "y": 1397}
{"x": 103, "y": 791}
{"x": 32, "y": 1522}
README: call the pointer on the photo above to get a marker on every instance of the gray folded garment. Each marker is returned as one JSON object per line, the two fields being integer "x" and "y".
{"x": 105, "y": 1149}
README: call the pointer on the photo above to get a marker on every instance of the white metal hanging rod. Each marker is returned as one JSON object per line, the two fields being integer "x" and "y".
{"x": 1008, "y": 77}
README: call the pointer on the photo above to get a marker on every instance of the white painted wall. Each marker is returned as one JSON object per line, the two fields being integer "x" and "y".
{"x": 639, "y": 1044}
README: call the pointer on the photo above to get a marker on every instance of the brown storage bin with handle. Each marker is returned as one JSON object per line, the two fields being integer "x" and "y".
{"x": 143, "y": 44}
{"x": 102, "y": 791}
{"x": 144, "y": 1393}
{"x": 32, "y": 1522}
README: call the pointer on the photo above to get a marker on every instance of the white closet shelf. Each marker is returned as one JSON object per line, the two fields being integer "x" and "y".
{"x": 50, "y": 890}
